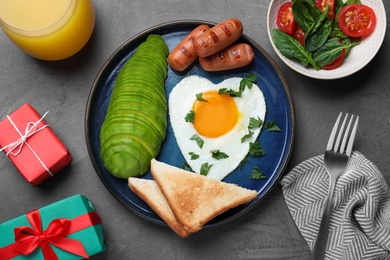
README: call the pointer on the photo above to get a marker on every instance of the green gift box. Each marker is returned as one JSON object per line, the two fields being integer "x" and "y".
{"x": 67, "y": 229}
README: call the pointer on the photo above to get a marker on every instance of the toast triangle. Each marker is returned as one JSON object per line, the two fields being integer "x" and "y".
{"x": 194, "y": 198}
{"x": 149, "y": 192}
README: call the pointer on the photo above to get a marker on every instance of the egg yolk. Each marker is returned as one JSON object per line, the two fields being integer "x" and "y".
{"x": 215, "y": 117}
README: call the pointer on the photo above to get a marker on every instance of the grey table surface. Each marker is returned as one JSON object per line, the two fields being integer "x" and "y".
{"x": 62, "y": 87}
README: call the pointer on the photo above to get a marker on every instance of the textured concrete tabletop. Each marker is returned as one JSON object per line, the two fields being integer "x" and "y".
{"x": 265, "y": 232}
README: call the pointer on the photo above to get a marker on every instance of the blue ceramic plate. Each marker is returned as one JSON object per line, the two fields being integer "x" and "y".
{"x": 277, "y": 145}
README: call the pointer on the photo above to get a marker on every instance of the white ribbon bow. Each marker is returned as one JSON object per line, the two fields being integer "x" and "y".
{"x": 30, "y": 130}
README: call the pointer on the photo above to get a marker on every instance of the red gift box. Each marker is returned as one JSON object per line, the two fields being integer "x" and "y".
{"x": 31, "y": 145}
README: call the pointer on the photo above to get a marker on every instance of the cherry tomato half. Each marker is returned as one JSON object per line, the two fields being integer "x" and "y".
{"x": 321, "y": 4}
{"x": 299, "y": 35}
{"x": 336, "y": 63}
{"x": 285, "y": 19}
{"x": 357, "y": 20}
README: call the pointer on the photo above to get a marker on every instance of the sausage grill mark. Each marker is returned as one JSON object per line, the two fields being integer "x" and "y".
{"x": 236, "y": 54}
{"x": 226, "y": 30}
{"x": 185, "y": 52}
{"x": 215, "y": 37}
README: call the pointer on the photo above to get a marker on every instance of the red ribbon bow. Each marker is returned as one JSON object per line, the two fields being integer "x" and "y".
{"x": 28, "y": 239}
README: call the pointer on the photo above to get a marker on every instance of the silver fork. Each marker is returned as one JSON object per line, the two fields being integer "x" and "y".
{"x": 336, "y": 159}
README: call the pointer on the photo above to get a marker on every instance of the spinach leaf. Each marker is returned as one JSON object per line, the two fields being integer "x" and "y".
{"x": 312, "y": 8}
{"x": 336, "y": 32}
{"x": 291, "y": 48}
{"x": 351, "y": 42}
{"x": 339, "y": 4}
{"x": 331, "y": 50}
{"x": 319, "y": 32}
{"x": 348, "y": 2}
{"x": 324, "y": 40}
{"x": 305, "y": 13}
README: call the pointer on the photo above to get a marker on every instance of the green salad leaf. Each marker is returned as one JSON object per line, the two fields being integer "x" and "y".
{"x": 324, "y": 40}
{"x": 292, "y": 49}
{"x": 319, "y": 32}
{"x": 305, "y": 14}
{"x": 331, "y": 50}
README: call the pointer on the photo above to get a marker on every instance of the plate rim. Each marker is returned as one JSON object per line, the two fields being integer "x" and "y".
{"x": 161, "y": 27}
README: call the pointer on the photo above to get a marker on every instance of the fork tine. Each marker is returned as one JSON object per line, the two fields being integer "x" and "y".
{"x": 333, "y": 134}
{"x": 346, "y": 135}
{"x": 352, "y": 138}
{"x": 341, "y": 132}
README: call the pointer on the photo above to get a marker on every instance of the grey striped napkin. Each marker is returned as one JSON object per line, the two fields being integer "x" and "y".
{"x": 360, "y": 217}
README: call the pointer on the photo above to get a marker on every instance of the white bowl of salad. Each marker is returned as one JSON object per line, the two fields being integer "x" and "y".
{"x": 326, "y": 39}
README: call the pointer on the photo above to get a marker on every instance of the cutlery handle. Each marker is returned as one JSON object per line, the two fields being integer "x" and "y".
{"x": 323, "y": 232}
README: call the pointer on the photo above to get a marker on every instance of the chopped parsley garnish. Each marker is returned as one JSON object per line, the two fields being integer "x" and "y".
{"x": 255, "y": 123}
{"x": 248, "y": 135}
{"x": 194, "y": 156}
{"x": 272, "y": 126}
{"x": 186, "y": 167}
{"x": 216, "y": 154}
{"x": 257, "y": 174}
{"x": 230, "y": 92}
{"x": 190, "y": 117}
{"x": 205, "y": 168}
{"x": 200, "y": 98}
{"x": 246, "y": 159}
{"x": 256, "y": 150}
{"x": 198, "y": 140}
{"x": 247, "y": 81}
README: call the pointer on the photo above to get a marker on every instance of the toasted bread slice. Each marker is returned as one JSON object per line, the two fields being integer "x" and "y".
{"x": 149, "y": 192}
{"x": 194, "y": 198}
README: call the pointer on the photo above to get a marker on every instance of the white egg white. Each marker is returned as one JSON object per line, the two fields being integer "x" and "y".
{"x": 250, "y": 104}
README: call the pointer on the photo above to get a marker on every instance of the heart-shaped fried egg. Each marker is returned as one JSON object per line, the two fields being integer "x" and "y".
{"x": 212, "y": 129}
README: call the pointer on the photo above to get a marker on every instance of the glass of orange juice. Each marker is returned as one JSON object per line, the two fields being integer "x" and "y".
{"x": 48, "y": 29}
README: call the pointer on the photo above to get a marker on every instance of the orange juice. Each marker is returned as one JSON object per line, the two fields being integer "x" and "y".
{"x": 48, "y": 29}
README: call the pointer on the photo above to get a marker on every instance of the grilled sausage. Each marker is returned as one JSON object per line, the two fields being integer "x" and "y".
{"x": 232, "y": 57}
{"x": 183, "y": 55}
{"x": 218, "y": 37}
